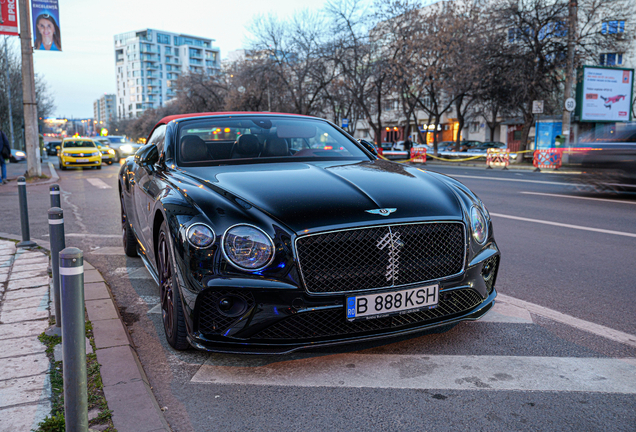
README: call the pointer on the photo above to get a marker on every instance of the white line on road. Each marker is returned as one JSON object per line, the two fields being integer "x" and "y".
{"x": 471, "y": 372}
{"x": 578, "y": 197}
{"x": 604, "y": 231}
{"x": 510, "y": 180}
{"x": 597, "y": 329}
{"x": 98, "y": 183}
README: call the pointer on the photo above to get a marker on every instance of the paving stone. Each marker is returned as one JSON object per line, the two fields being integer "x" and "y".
{"x": 58, "y": 351}
{"x": 27, "y": 292}
{"x": 118, "y": 365}
{"x": 92, "y": 276}
{"x": 109, "y": 333}
{"x": 96, "y": 291}
{"x": 30, "y": 263}
{"x": 21, "y": 347}
{"x": 88, "y": 266}
{"x": 6, "y": 263}
{"x": 29, "y": 273}
{"x": 18, "y": 315}
{"x": 19, "y": 256}
{"x": 99, "y": 310}
{"x": 22, "y": 329}
{"x": 18, "y": 367}
{"x": 25, "y": 390}
{"x": 5, "y": 256}
{"x": 37, "y": 303}
{"x": 28, "y": 283}
{"x": 24, "y": 417}
{"x": 4, "y": 277}
{"x": 4, "y": 270}
{"x": 142, "y": 416}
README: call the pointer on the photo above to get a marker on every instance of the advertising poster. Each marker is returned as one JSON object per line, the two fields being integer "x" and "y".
{"x": 46, "y": 25}
{"x": 9, "y": 17}
{"x": 606, "y": 94}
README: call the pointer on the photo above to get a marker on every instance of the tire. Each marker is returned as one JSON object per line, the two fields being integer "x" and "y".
{"x": 62, "y": 167}
{"x": 128, "y": 236}
{"x": 98, "y": 167}
{"x": 110, "y": 162}
{"x": 171, "y": 310}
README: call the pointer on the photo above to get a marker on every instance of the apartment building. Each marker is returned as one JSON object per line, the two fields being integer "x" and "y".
{"x": 148, "y": 63}
{"x": 104, "y": 110}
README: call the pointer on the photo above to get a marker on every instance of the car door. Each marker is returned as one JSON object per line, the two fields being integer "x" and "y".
{"x": 146, "y": 191}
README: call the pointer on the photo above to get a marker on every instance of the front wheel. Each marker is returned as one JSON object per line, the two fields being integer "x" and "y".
{"x": 171, "y": 310}
{"x": 98, "y": 167}
{"x": 61, "y": 166}
{"x": 128, "y": 236}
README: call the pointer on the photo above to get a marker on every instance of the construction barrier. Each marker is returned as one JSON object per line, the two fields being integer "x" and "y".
{"x": 418, "y": 154}
{"x": 548, "y": 158}
{"x": 497, "y": 157}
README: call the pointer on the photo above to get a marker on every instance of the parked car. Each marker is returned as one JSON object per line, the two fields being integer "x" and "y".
{"x": 268, "y": 233}
{"x": 122, "y": 146}
{"x": 79, "y": 152}
{"x": 17, "y": 156}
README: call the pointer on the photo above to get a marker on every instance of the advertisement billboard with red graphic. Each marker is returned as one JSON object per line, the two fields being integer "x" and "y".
{"x": 605, "y": 94}
{"x": 9, "y": 17}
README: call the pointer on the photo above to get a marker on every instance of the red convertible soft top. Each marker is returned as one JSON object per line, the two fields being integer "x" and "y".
{"x": 168, "y": 119}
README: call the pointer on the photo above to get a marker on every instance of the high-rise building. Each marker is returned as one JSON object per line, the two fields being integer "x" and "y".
{"x": 148, "y": 63}
{"x": 104, "y": 110}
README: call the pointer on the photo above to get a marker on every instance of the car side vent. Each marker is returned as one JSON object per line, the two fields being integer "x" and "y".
{"x": 218, "y": 311}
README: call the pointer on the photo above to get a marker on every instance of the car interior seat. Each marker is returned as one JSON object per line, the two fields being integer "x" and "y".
{"x": 247, "y": 146}
{"x": 193, "y": 149}
{"x": 275, "y": 146}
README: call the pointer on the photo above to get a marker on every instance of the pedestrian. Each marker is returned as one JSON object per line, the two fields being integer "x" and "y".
{"x": 5, "y": 153}
{"x": 407, "y": 147}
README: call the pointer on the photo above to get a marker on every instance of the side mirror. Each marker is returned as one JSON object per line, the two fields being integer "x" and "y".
{"x": 367, "y": 145}
{"x": 99, "y": 147}
{"x": 57, "y": 147}
{"x": 148, "y": 155}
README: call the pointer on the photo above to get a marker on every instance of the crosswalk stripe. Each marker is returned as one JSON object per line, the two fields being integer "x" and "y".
{"x": 503, "y": 373}
{"x": 98, "y": 183}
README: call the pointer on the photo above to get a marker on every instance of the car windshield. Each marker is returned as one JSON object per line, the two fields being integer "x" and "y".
{"x": 76, "y": 144}
{"x": 260, "y": 138}
{"x": 117, "y": 139}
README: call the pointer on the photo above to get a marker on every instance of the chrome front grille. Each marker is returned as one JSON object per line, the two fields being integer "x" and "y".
{"x": 380, "y": 257}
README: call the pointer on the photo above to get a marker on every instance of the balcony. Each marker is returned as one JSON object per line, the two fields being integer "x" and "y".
{"x": 195, "y": 61}
{"x": 149, "y": 65}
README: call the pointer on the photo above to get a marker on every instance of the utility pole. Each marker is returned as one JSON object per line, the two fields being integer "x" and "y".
{"x": 8, "y": 80}
{"x": 569, "y": 68}
{"x": 31, "y": 138}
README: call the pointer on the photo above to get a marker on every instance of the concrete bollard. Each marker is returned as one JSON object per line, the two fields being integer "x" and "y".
{"x": 58, "y": 242}
{"x": 24, "y": 215}
{"x": 74, "y": 340}
{"x": 55, "y": 196}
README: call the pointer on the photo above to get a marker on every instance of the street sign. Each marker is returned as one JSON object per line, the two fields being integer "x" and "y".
{"x": 570, "y": 104}
{"x": 345, "y": 122}
{"x": 537, "y": 107}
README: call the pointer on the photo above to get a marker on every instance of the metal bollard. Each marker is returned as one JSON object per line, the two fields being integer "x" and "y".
{"x": 74, "y": 340}
{"x": 58, "y": 242}
{"x": 24, "y": 215}
{"x": 55, "y": 196}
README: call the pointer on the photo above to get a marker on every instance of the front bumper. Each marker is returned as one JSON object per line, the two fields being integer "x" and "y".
{"x": 282, "y": 321}
{"x": 81, "y": 161}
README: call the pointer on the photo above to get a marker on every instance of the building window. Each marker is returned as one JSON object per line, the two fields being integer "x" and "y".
{"x": 611, "y": 59}
{"x": 613, "y": 27}
{"x": 163, "y": 38}
{"x": 474, "y": 127}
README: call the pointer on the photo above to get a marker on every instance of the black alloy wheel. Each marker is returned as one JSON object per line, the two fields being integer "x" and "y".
{"x": 171, "y": 310}
{"x": 128, "y": 236}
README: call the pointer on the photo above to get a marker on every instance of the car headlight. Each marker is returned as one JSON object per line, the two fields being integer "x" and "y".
{"x": 200, "y": 235}
{"x": 247, "y": 247}
{"x": 66, "y": 154}
{"x": 19, "y": 153}
{"x": 478, "y": 225}
{"x": 126, "y": 148}
{"x": 111, "y": 151}
{"x": 95, "y": 154}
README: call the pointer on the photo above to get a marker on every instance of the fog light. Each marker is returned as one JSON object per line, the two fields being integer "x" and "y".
{"x": 231, "y": 306}
{"x": 487, "y": 271}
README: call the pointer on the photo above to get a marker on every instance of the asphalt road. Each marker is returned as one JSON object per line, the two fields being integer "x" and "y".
{"x": 566, "y": 254}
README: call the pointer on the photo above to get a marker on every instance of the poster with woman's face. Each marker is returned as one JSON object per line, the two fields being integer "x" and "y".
{"x": 46, "y": 25}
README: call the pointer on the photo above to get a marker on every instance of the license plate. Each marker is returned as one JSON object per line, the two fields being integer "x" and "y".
{"x": 81, "y": 160}
{"x": 391, "y": 303}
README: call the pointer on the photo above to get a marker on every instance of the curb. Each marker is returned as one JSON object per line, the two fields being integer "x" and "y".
{"x": 125, "y": 384}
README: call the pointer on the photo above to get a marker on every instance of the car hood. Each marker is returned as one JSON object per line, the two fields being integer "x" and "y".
{"x": 319, "y": 195}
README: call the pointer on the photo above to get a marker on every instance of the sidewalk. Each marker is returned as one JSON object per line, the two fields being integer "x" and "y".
{"x": 25, "y": 306}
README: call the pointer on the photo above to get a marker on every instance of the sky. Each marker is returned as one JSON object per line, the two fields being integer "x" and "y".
{"x": 85, "y": 70}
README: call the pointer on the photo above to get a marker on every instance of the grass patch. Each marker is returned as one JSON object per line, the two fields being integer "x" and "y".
{"x": 55, "y": 421}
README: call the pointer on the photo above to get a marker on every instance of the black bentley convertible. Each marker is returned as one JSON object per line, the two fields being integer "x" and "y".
{"x": 267, "y": 233}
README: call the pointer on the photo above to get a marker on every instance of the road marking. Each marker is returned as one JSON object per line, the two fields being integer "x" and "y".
{"x": 132, "y": 272}
{"x": 511, "y": 180}
{"x": 98, "y": 183}
{"x": 597, "y": 329}
{"x": 578, "y": 197}
{"x": 471, "y": 372}
{"x": 620, "y": 233}
{"x": 115, "y": 250}
{"x": 118, "y": 236}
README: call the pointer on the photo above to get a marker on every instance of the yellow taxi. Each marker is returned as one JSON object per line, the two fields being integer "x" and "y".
{"x": 79, "y": 152}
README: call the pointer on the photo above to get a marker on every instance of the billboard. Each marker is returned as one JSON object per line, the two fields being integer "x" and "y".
{"x": 9, "y": 17}
{"x": 46, "y": 25}
{"x": 604, "y": 94}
